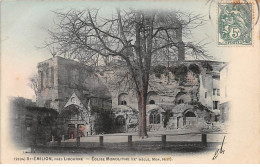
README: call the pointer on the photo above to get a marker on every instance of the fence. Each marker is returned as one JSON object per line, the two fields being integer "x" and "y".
{"x": 158, "y": 140}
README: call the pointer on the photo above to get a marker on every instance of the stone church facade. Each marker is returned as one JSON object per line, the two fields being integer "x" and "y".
{"x": 73, "y": 89}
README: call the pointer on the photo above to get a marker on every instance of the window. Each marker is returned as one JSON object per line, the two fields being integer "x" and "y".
{"x": 215, "y": 105}
{"x": 218, "y": 92}
{"x": 214, "y": 91}
{"x": 47, "y": 78}
{"x": 154, "y": 118}
{"x": 190, "y": 114}
{"x": 122, "y": 99}
{"x": 123, "y": 102}
{"x": 206, "y": 95}
{"x": 180, "y": 101}
{"x": 151, "y": 102}
{"x": 42, "y": 77}
{"x": 74, "y": 77}
{"x": 52, "y": 76}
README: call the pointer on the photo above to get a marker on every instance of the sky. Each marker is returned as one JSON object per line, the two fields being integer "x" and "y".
{"x": 24, "y": 27}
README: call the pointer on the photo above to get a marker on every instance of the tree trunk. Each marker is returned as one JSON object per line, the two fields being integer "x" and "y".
{"x": 142, "y": 96}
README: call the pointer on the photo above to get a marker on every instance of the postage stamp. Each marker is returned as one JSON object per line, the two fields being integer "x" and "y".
{"x": 234, "y": 24}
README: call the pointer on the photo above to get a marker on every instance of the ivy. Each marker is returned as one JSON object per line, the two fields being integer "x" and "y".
{"x": 180, "y": 72}
{"x": 194, "y": 68}
{"x": 199, "y": 106}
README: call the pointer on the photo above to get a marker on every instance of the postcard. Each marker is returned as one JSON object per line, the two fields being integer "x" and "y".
{"x": 115, "y": 82}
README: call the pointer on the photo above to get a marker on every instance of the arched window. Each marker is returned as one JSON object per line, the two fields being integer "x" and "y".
{"x": 42, "y": 78}
{"x": 52, "y": 76}
{"x": 180, "y": 101}
{"x": 120, "y": 120}
{"x": 190, "y": 114}
{"x": 152, "y": 96}
{"x": 74, "y": 78}
{"x": 158, "y": 119}
{"x": 123, "y": 102}
{"x": 47, "y": 78}
{"x": 154, "y": 118}
{"x": 122, "y": 99}
{"x": 151, "y": 119}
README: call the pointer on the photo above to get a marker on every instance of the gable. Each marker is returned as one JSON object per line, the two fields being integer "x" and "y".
{"x": 74, "y": 99}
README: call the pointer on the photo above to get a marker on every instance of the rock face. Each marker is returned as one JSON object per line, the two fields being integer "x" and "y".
{"x": 192, "y": 84}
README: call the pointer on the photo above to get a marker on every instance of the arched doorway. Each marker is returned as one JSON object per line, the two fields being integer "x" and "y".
{"x": 189, "y": 118}
{"x": 73, "y": 121}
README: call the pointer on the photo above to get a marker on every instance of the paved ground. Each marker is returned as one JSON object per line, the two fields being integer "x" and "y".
{"x": 173, "y": 135}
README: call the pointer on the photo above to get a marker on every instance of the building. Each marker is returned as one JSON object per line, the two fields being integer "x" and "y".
{"x": 176, "y": 100}
{"x": 73, "y": 90}
{"x": 225, "y": 99}
{"x": 187, "y": 96}
{"x": 30, "y": 124}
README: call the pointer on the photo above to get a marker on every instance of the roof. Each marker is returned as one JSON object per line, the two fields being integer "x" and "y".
{"x": 80, "y": 99}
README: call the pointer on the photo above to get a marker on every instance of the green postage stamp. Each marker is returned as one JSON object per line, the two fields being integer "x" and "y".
{"x": 234, "y": 24}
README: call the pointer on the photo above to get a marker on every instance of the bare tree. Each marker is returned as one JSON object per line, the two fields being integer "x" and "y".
{"x": 135, "y": 38}
{"x": 34, "y": 83}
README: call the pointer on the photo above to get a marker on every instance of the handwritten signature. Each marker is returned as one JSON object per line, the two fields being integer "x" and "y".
{"x": 219, "y": 151}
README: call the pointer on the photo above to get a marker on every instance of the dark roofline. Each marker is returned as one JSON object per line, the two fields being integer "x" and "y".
{"x": 213, "y": 61}
{"x": 41, "y": 109}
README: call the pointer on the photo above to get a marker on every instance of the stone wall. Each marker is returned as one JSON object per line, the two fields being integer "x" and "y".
{"x": 70, "y": 75}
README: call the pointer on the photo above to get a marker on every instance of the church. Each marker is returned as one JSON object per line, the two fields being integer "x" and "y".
{"x": 74, "y": 90}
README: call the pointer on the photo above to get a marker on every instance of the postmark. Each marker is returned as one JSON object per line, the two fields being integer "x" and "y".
{"x": 234, "y": 24}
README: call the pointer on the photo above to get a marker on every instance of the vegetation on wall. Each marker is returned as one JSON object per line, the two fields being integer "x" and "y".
{"x": 194, "y": 68}
{"x": 104, "y": 120}
{"x": 199, "y": 106}
{"x": 180, "y": 71}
